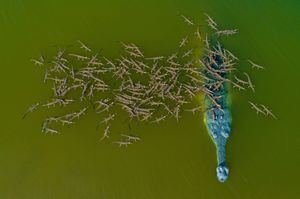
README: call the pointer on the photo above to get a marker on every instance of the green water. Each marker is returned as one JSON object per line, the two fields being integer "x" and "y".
{"x": 173, "y": 160}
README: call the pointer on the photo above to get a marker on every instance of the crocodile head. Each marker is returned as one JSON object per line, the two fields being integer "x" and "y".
{"x": 222, "y": 172}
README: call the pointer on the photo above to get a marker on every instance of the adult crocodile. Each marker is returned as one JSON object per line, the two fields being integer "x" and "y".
{"x": 217, "y": 115}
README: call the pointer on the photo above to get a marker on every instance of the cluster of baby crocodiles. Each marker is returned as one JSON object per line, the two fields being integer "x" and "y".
{"x": 149, "y": 89}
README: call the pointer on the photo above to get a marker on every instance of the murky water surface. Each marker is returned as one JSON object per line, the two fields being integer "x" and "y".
{"x": 173, "y": 160}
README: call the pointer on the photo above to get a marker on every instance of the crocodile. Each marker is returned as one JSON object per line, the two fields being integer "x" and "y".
{"x": 217, "y": 116}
